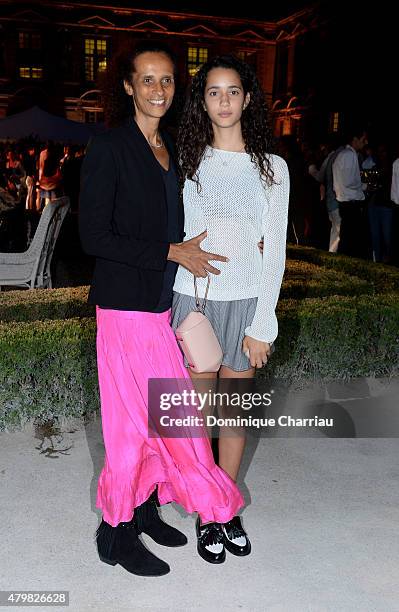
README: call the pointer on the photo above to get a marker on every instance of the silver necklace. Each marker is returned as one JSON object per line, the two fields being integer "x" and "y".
{"x": 155, "y": 146}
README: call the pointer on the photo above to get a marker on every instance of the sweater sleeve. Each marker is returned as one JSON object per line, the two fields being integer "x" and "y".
{"x": 264, "y": 326}
{"x": 97, "y": 200}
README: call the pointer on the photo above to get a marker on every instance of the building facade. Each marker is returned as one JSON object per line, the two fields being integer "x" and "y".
{"x": 52, "y": 53}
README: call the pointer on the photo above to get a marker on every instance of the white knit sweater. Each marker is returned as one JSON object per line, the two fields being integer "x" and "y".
{"x": 237, "y": 208}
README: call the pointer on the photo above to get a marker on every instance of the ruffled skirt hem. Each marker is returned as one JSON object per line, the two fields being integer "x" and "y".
{"x": 210, "y": 492}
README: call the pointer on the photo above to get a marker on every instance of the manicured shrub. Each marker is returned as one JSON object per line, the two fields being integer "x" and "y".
{"x": 338, "y": 319}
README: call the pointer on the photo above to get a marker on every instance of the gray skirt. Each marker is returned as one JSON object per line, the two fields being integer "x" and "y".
{"x": 228, "y": 319}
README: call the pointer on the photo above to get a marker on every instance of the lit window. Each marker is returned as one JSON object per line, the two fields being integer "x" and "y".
{"x": 335, "y": 122}
{"x": 31, "y": 72}
{"x": 102, "y": 65}
{"x": 196, "y": 56}
{"x": 101, "y": 47}
{"x": 286, "y": 127}
{"x": 202, "y": 55}
{"x": 89, "y": 46}
{"x": 95, "y": 57}
{"x": 89, "y": 68}
{"x": 37, "y": 73}
{"x": 24, "y": 72}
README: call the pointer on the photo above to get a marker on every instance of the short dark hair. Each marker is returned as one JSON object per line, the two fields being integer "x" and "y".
{"x": 354, "y": 131}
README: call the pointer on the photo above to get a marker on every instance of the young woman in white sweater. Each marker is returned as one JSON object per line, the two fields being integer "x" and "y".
{"x": 236, "y": 192}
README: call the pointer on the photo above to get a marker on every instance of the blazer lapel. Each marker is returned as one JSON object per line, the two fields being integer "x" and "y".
{"x": 170, "y": 145}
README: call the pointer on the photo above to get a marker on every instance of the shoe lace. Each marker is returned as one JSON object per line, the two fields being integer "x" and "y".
{"x": 212, "y": 534}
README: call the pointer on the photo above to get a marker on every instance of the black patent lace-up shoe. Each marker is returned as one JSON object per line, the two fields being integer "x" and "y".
{"x": 234, "y": 537}
{"x": 210, "y": 542}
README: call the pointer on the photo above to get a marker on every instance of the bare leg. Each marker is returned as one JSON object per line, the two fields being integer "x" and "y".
{"x": 231, "y": 449}
{"x": 197, "y": 378}
{"x": 207, "y": 410}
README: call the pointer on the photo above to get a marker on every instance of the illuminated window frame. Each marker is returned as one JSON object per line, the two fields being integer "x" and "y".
{"x": 31, "y": 72}
{"x": 95, "y": 52}
{"x": 196, "y": 56}
{"x": 334, "y": 122}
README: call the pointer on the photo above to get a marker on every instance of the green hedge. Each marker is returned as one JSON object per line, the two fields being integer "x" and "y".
{"x": 42, "y": 304}
{"x": 338, "y": 318}
{"x": 47, "y": 369}
{"x": 309, "y": 273}
{"x": 381, "y": 278}
{"x": 337, "y": 338}
{"x": 305, "y": 279}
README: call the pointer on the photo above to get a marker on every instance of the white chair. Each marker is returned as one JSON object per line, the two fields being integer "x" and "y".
{"x": 32, "y": 267}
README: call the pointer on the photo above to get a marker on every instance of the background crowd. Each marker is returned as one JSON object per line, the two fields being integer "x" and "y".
{"x": 344, "y": 192}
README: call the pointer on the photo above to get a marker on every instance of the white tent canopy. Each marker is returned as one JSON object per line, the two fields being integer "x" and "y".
{"x": 37, "y": 122}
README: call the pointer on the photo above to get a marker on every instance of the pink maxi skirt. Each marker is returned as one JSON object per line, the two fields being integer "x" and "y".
{"x": 132, "y": 347}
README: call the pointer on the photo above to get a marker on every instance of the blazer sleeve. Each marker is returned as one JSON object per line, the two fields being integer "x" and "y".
{"x": 98, "y": 191}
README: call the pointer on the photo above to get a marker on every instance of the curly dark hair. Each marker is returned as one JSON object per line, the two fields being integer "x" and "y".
{"x": 196, "y": 131}
{"x": 117, "y": 104}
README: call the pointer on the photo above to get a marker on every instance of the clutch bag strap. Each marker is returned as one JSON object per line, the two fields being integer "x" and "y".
{"x": 201, "y": 308}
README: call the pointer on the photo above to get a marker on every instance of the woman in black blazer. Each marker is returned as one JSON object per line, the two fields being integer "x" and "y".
{"x": 131, "y": 220}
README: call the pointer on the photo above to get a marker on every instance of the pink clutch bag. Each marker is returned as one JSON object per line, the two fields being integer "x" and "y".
{"x": 197, "y": 339}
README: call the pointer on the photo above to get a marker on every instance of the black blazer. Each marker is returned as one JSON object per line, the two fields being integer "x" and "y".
{"x": 123, "y": 218}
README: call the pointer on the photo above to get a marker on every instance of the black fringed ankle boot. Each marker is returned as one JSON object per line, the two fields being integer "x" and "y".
{"x": 148, "y": 521}
{"x": 122, "y": 545}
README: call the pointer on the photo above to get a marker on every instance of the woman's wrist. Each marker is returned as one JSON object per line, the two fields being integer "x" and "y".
{"x": 173, "y": 253}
